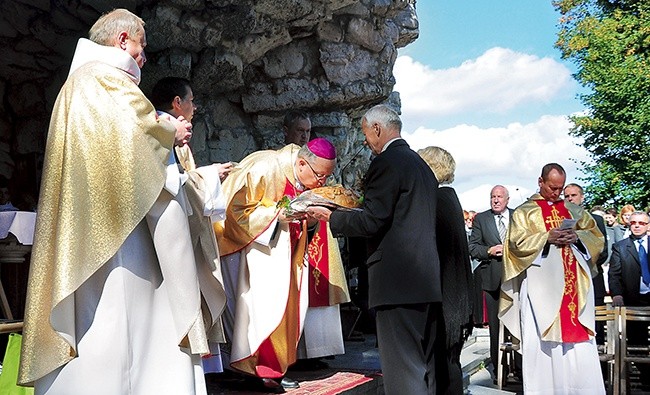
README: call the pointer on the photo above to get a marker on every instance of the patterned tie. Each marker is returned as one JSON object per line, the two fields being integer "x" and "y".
{"x": 643, "y": 259}
{"x": 502, "y": 228}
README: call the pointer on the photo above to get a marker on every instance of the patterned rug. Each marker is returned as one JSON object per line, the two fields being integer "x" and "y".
{"x": 335, "y": 384}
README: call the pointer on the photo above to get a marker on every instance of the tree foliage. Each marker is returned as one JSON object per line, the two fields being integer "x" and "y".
{"x": 609, "y": 41}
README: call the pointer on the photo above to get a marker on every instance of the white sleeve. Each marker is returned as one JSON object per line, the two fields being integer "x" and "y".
{"x": 214, "y": 202}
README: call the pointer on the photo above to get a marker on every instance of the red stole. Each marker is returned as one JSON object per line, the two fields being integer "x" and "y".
{"x": 572, "y": 330}
{"x": 317, "y": 257}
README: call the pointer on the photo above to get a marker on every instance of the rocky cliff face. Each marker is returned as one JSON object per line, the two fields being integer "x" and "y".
{"x": 249, "y": 61}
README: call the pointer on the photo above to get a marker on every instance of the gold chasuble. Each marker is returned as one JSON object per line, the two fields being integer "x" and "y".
{"x": 271, "y": 300}
{"x": 559, "y": 278}
{"x": 82, "y": 219}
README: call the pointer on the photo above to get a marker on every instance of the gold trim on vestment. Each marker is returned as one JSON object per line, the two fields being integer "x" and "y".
{"x": 104, "y": 168}
{"x": 252, "y": 196}
{"x": 526, "y": 238}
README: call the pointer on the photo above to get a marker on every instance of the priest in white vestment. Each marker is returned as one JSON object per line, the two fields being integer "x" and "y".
{"x": 114, "y": 304}
{"x": 547, "y": 296}
{"x": 204, "y": 203}
{"x": 263, "y": 256}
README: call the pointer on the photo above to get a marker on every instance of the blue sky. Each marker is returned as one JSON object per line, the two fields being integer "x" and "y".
{"x": 485, "y": 82}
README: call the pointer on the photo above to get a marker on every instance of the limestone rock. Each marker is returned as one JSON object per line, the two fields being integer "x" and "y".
{"x": 218, "y": 72}
{"x": 365, "y": 34}
{"x": 344, "y": 62}
{"x": 249, "y": 61}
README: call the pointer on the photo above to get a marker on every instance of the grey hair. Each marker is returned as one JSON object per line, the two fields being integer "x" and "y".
{"x": 109, "y": 25}
{"x": 502, "y": 187}
{"x": 306, "y": 154}
{"x": 384, "y": 116}
{"x": 638, "y": 212}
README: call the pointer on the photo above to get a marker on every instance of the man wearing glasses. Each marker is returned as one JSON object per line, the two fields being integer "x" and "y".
{"x": 629, "y": 279}
{"x": 263, "y": 253}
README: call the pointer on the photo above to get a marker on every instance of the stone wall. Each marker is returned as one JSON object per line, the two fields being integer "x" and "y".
{"x": 249, "y": 61}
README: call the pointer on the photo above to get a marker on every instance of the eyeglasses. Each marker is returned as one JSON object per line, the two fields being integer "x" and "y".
{"x": 319, "y": 177}
{"x": 638, "y": 223}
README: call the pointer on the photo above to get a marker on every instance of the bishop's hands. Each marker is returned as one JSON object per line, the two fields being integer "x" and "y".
{"x": 283, "y": 216}
{"x": 561, "y": 237}
{"x": 312, "y": 215}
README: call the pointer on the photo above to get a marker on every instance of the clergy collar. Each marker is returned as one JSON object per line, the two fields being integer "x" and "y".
{"x": 89, "y": 51}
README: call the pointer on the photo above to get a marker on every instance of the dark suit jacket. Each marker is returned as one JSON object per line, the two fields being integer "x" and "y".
{"x": 485, "y": 235}
{"x": 600, "y": 222}
{"x": 399, "y": 220}
{"x": 625, "y": 272}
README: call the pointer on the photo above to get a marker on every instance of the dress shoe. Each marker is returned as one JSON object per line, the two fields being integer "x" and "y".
{"x": 288, "y": 383}
{"x": 270, "y": 385}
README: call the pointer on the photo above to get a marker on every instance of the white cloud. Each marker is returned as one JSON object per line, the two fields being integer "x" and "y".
{"x": 495, "y": 82}
{"x": 512, "y": 156}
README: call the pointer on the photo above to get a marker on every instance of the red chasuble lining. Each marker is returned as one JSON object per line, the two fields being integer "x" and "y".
{"x": 572, "y": 330}
{"x": 317, "y": 256}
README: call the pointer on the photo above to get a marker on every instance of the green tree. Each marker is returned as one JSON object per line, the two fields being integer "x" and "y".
{"x": 609, "y": 41}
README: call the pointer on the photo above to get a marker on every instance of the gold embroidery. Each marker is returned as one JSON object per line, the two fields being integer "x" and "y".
{"x": 315, "y": 252}
{"x": 570, "y": 282}
{"x": 316, "y": 274}
{"x": 568, "y": 260}
{"x": 554, "y": 220}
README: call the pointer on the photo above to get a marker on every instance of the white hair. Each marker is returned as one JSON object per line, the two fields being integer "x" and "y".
{"x": 384, "y": 116}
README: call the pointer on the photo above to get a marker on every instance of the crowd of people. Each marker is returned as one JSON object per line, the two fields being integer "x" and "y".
{"x": 149, "y": 271}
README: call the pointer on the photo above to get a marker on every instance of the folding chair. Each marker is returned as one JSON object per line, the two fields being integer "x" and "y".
{"x": 10, "y": 326}
{"x": 636, "y": 353}
{"x": 610, "y": 351}
{"x": 507, "y": 351}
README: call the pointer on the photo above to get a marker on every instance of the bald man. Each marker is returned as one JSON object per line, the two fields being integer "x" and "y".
{"x": 486, "y": 246}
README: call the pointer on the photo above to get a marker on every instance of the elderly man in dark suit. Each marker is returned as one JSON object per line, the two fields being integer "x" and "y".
{"x": 486, "y": 246}
{"x": 399, "y": 220}
{"x": 629, "y": 279}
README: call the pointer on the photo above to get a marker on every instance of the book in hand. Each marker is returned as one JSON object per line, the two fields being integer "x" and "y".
{"x": 568, "y": 223}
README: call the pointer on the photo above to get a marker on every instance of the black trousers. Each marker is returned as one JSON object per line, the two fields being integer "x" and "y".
{"x": 412, "y": 348}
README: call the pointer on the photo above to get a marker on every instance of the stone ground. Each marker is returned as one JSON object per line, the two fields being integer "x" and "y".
{"x": 360, "y": 367}
{"x": 362, "y": 359}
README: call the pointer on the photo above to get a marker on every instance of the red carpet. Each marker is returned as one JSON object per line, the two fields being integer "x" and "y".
{"x": 339, "y": 382}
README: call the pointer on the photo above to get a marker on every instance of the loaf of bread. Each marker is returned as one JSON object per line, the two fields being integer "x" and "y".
{"x": 339, "y": 195}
